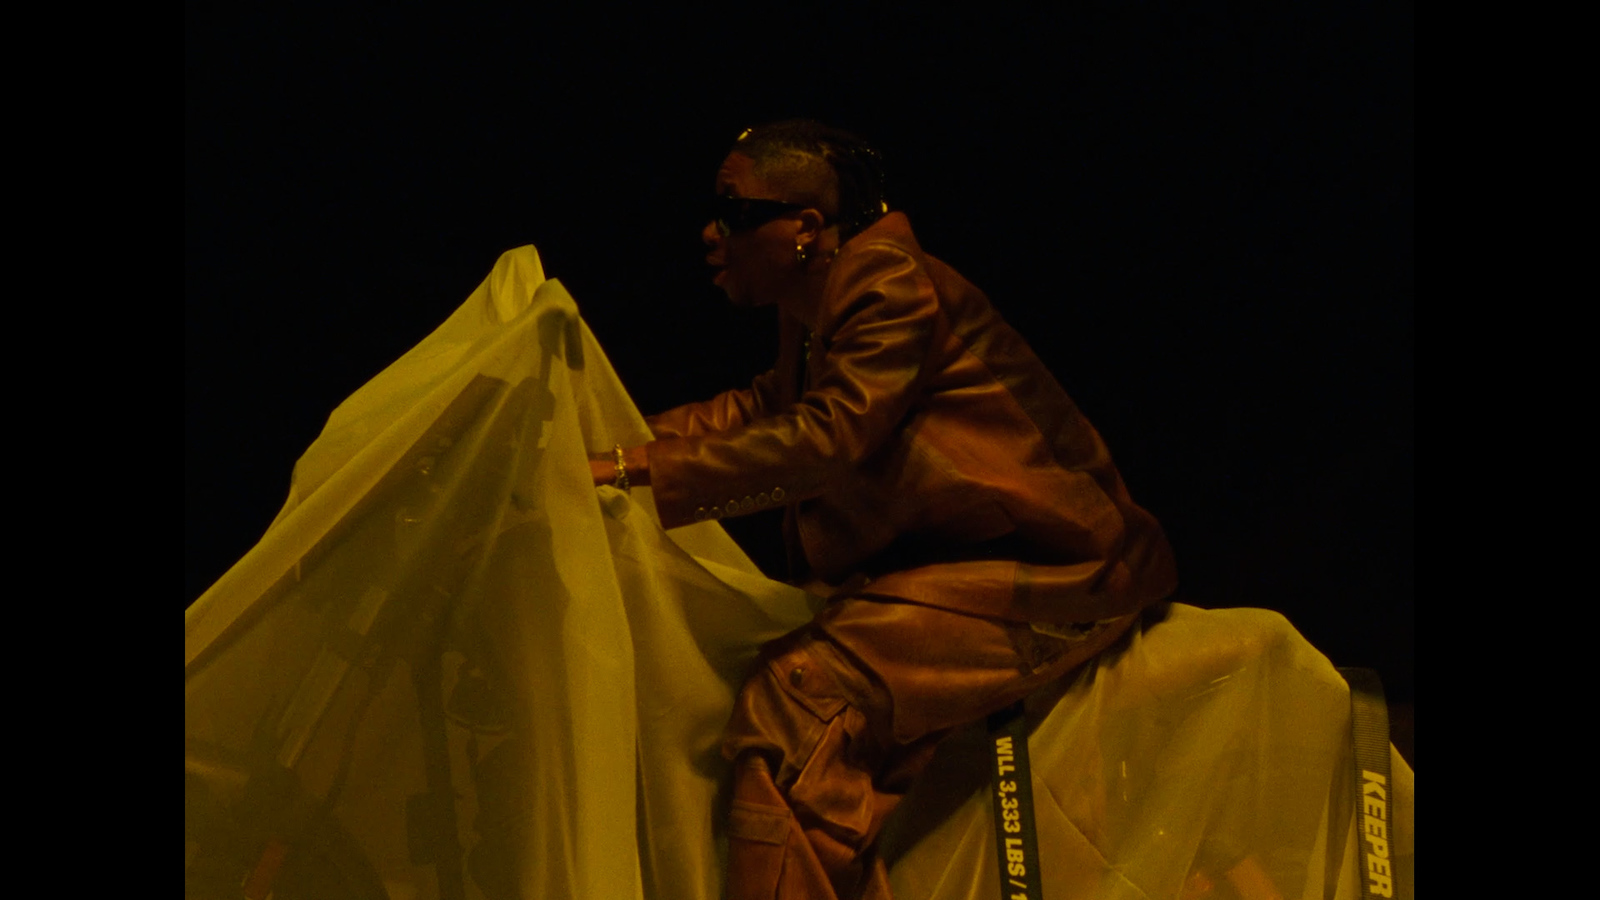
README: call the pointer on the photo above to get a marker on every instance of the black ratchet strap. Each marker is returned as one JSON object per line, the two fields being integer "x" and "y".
{"x": 1369, "y": 718}
{"x": 1015, "y": 839}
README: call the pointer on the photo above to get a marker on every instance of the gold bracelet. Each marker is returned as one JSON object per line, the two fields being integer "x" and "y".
{"x": 622, "y": 468}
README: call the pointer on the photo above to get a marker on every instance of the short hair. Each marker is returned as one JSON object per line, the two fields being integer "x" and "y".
{"x": 822, "y": 167}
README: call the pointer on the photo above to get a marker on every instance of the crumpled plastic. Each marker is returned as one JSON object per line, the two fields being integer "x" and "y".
{"x": 452, "y": 668}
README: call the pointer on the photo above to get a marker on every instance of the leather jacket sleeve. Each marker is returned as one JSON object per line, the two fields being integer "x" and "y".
{"x": 722, "y": 412}
{"x": 868, "y": 358}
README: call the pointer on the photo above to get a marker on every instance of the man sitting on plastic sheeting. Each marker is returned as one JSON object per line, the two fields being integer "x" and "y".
{"x": 929, "y": 463}
{"x": 964, "y": 518}
{"x": 446, "y": 671}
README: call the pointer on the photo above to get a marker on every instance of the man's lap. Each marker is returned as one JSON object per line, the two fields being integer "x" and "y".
{"x": 910, "y": 672}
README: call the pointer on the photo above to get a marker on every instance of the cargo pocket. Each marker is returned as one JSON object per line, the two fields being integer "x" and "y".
{"x": 822, "y": 786}
{"x": 835, "y": 788}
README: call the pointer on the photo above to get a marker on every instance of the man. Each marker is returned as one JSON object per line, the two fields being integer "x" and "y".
{"x": 964, "y": 517}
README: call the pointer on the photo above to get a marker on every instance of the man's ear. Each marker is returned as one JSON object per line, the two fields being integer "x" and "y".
{"x": 811, "y": 226}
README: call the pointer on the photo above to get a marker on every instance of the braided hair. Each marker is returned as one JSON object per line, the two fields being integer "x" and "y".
{"x": 824, "y": 167}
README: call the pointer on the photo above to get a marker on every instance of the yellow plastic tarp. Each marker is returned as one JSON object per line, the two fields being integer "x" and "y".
{"x": 452, "y": 668}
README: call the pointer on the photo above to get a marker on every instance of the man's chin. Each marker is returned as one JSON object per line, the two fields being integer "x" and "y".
{"x": 739, "y": 299}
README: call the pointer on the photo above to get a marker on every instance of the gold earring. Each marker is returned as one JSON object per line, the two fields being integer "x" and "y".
{"x": 800, "y": 255}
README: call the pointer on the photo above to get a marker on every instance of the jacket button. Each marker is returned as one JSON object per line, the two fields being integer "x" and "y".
{"x": 700, "y": 514}
{"x": 777, "y": 495}
{"x": 798, "y": 676}
{"x": 763, "y": 498}
{"x": 732, "y": 507}
{"x": 747, "y": 504}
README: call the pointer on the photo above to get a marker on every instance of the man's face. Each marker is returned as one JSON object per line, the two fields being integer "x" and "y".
{"x": 751, "y": 263}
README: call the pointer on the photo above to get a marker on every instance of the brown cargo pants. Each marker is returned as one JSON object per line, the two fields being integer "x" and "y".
{"x": 840, "y": 716}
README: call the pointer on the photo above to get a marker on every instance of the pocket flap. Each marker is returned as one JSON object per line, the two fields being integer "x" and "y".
{"x": 811, "y": 685}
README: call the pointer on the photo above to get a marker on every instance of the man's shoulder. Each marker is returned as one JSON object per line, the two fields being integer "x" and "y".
{"x": 892, "y": 236}
{"x": 888, "y": 251}
{"x": 893, "y": 230}
{"x": 888, "y": 241}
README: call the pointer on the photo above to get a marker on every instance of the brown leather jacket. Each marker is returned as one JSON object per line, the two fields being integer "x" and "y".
{"x": 916, "y": 440}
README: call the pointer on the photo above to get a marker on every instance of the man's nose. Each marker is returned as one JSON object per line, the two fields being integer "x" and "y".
{"x": 711, "y": 235}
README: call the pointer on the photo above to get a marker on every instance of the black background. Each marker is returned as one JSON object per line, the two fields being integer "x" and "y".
{"x": 1201, "y": 218}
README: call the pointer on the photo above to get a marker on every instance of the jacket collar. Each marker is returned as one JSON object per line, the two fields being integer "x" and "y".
{"x": 893, "y": 229}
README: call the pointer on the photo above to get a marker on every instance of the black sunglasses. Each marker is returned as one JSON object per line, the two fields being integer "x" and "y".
{"x": 732, "y": 214}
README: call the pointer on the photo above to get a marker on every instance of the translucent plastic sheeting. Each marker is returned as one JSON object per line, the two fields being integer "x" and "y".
{"x": 1207, "y": 757}
{"x": 453, "y": 669}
